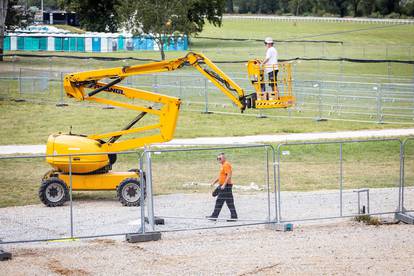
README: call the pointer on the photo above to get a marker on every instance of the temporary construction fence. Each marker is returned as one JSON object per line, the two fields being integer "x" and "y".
{"x": 407, "y": 172}
{"x": 385, "y": 101}
{"x": 293, "y": 183}
{"x": 77, "y": 218}
{"x": 194, "y": 169}
{"x": 364, "y": 176}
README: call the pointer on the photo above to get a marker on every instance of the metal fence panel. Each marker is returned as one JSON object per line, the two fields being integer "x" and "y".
{"x": 408, "y": 192}
{"x": 181, "y": 181}
{"x": 320, "y": 180}
{"x": 371, "y": 171}
{"x": 308, "y": 180}
{"x": 33, "y": 81}
{"x": 312, "y": 181}
{"x": 24, "y": 218}
{"x": 85, "y": 214}
{"x": 323, "y": 90}
{"x": 99, "y": 213}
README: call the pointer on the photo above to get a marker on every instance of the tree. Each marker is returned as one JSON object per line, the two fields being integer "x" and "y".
{"x": 201, "y": 10}
{"x": 408, "y": 8}
{"x": 3, "y": 15}
{"x": 387, "y": 6}
{"x": 95, "y": 16}
{"x": 229, "y": 6}
{"x": 13, "y": 16}
{"x": 367, "y": 7}
{"x": 162, "y": 18}
{"x": 355, "y": 4}
{"x": 340, "y": 6}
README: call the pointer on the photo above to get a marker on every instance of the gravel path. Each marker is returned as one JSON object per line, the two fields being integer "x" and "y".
{"x": 184, "y": 211}
{"x": 344, "y": 247}
{"x": 348, "y": 248}
{"x": 383, "y": 133}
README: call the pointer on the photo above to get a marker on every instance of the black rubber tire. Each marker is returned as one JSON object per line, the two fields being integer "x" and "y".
{"x": 129, "y": 192}
{"x": 53, "y": 185}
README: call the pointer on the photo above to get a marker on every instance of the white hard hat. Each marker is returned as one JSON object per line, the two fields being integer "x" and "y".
{"x": 268, "y": 40}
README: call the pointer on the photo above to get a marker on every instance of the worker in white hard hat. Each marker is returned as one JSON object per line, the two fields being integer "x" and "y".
{"x": 270, "y": 66}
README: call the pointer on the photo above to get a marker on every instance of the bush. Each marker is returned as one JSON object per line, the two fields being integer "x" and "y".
{"x": 376, "y": 15}
{"x": 393, "y": 15}
{"x": 368, "y": 220}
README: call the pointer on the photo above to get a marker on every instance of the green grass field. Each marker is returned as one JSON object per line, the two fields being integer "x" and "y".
{"x": 28, "y": 123}
{"x": 366, "y": 165}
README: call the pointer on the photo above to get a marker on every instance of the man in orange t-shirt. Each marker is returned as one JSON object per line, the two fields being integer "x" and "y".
{"x": 225, "y": 193}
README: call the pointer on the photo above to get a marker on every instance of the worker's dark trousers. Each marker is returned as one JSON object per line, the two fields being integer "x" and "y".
{"x": 225, "y": 195}
{"x": 272, "y": 78}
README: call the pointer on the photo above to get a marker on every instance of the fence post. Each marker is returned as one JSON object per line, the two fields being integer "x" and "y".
{"x": 340, "y": 180}
{"x": 61, "y": 101}
{"x": 379, "y": 108}
{"x": 149, "y": 189}
{"x": 318, "y": 71}
{"x": 70, "y": 196}
{"x": 267, "y": 184}
{"x": 206, "y": 98}
{"x": 20, "y": 81}
{"x": 142, "y": 196}
{"x": 61, "y": 87}
{"x": 320, "y": 107}
{"x": 277, "y": 188}
{"x": 181, "y": 87}
{"x": 402, "y": 176}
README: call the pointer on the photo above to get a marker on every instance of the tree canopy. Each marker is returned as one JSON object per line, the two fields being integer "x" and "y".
{"x": 369, "y": 8}
{"x": 13, "y": 15}
{"x": 95, "y": 16}
{"x": 163, "y": 18}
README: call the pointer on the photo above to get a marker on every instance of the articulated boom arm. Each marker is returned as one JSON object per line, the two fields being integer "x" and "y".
{"x": 76, "y": 85}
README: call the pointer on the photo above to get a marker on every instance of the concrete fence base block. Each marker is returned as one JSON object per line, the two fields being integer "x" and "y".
{"x": 406, "y": 218}
{"x": 5, "y": 255}
{"x": 144, "y": 237}
{"x": 280, "y": 226}
{"x": 157, "y": 220}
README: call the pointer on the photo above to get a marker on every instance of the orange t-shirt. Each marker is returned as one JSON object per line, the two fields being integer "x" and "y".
{"x": 224, "y": 171}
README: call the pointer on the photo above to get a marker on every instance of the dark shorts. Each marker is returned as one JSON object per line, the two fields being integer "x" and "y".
{"x": 272, "y": 77}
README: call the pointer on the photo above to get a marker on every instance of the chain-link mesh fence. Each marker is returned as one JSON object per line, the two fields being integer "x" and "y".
{"x": 298, "y": 182}
{"x": 408, "y": 192}
{"x": 323, "y": 90}
{"x": 336, "y": 179}
{"x": 92, "y": 209}
{"x": 181, "y": 182}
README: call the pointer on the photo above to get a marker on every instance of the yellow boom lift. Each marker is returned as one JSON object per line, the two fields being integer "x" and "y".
{"x": 93, "y": 172}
